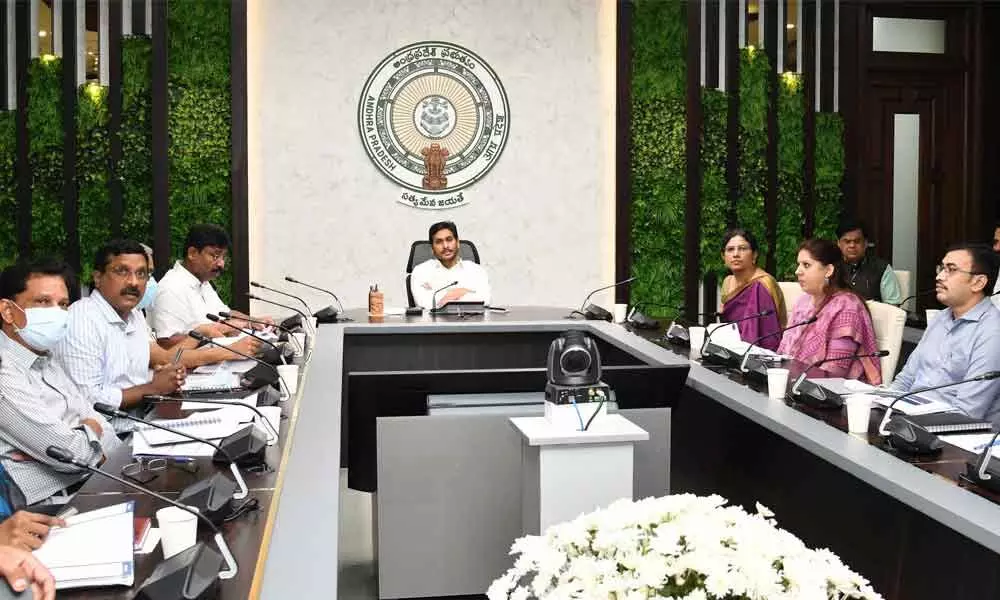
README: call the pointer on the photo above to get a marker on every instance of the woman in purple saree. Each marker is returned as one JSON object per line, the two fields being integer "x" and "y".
{"x": 843, "y": 326}
{"x": 750, "y": 290}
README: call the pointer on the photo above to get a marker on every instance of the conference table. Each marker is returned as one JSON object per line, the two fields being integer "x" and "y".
{"x": 905, "y": 524}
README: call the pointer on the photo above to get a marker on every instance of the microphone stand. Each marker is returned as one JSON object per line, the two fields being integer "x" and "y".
{"x": 882, "y": 427}
{"x": 746, "y": 355}
{"x": 277, "y": 291}
{"x": 204, "y": 338}
{"x": 728, "y": 354}
{"x": 272, "y": 434}
{"x": 306, "y": 319}
{"x": 291, "y": 334}
{"x": 824, "y": 399}
{"x": 324, "y": 313}
{"x": 188, "y": 560}
{"x": 583, "y": 311}
{"x": 219, "y": 319}
{"x": 434, "y": 306}
{"x": 978, "y": 471}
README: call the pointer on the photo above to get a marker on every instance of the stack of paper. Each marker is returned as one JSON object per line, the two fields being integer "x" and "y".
{"x": 94, "y": 549}
{"x": 972, "y": 442}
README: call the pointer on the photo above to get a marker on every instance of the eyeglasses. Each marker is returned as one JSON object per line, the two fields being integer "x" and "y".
{"x": 952, "y": 269}
{"x": 125, "y": 273}
{"x": 216, "y": 256}
{"x": 144, "y": 469}
{"x": 737, "y": 249}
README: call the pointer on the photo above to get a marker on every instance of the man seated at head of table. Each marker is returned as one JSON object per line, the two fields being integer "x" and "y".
{"x": 446, "y": 267}
{"x": 40, "y": 405}
{"x": 108, "y": 350}
{"x": 843, "y": 327}
{"x": 185, "y": 294}
{"x": 963, "y": 340}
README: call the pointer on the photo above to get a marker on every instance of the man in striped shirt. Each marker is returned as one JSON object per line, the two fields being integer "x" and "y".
{"x": 39, "y": 405}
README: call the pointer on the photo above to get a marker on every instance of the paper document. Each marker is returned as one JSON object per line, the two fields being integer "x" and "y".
{"x": 94, "y": 549}
{"x": 249, "y": 400}
{"x": 972, "y": 442}
{"x": 221, "y": 379}
{"x": 241, "y": 417}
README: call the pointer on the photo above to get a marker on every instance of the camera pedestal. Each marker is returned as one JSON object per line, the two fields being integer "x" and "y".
{"x": 565, "y": 473}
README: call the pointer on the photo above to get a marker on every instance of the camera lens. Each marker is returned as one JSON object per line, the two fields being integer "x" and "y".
{"x": 574, "y": 360}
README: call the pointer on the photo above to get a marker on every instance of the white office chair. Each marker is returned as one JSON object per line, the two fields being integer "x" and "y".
{"x": 904, "y": 288}
{"x": 791, "y": 290}
{"x": 889, "y": 322}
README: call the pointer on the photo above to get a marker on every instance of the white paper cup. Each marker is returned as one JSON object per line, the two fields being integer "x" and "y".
{"x": 621, "y": 311}
{"x": 859, "y": 408}
{"x": 290, "y": 376}
{"x": 697, "y": 336}
{"x": 777, "y": 382}
{"x": 178, "y": 530}
{"x": 315, "y": 323}
{"x": 299, "y": 343}
{"x": 931, "y": 313}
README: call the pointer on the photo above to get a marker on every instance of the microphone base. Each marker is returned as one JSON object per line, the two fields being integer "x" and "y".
{"x": 292, "y": 322}
{"x": 328, "y": 315}
{"x": 641, "y": 321}
{"x": 972, "y": 474}
{"x": 189, "y": 575}
{"x": 678, "y": 335}
{"x": 596, "y": 313}
{"x": 213, "y": 497}
{"x": 717, "y": 355}
{"x": 247, "y": 447}
{"x": 909, "y": 438}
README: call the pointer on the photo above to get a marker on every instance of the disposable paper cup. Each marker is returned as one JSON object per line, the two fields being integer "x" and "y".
{"x": 697, "y": 336}
{"x": 859, "y": 408}
{"x": 290, "y": 375}
{"x": 931, "y": 313}
{"x": 315, "y": 323}
{"x": 178, "y": 530}
{"x": 621, "y": 311}
{"x": 299, "y": 343}
{"x": 777, "y": 382}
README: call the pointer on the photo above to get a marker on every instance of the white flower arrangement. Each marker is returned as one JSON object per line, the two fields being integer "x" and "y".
{"x": 676, "y": 547}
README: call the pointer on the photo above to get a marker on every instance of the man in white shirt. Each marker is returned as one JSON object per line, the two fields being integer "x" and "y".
{"x": 185, "y": 294}
{"x": 447, "y": 266}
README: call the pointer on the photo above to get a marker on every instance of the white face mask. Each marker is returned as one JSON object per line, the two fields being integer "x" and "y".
{"x": 46, "y": 326}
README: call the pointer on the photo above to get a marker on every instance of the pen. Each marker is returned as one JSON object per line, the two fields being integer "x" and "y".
{"x": 983, "y": 446}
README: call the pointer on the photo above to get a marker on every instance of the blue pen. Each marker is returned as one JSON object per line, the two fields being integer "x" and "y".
{"x": 983, "y": 446}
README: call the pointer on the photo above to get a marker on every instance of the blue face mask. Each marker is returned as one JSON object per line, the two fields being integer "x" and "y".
{"x": 150, "y": 295}
{"x": 45, "y": 328}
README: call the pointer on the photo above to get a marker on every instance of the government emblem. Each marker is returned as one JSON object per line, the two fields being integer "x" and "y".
{"x": 434, "y": 118}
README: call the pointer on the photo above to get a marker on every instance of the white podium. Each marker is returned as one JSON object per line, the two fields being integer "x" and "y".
{"x": 567, "y": 473}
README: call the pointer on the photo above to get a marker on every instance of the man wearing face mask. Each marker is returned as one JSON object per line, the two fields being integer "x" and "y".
{"x": 185, "y": 295}
{"x": 40, "y": 405}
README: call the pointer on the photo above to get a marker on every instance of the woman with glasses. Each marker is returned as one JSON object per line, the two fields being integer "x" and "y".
{"x": 843, "y": 325}
{"x": 750, "y": 290}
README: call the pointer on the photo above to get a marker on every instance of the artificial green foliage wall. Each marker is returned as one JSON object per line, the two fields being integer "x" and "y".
{"x": 45, "y": 155}
{"x": 658, "y": 156}
{"x": 829, "y": 173}
{"x": 714, "y": 189}
{"x": 791, "y": 108}
{"x": 135, "y": 168}
{"x": 750, "y": 211}
{"x": 199, "y": 121}
{"x": 93, "y": 151}
{"x": 8, "y": 189}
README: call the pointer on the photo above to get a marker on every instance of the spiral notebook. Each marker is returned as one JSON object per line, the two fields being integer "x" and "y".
{"x": 214, "y": 426}
{"x": 950, "y": 422}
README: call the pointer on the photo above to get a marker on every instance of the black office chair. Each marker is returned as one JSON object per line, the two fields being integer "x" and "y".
{"x": 420, "y": 251}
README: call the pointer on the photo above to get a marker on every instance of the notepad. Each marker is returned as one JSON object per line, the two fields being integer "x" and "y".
{"x": 950, "y": 422}
{"x": 211, "y": 426}
{"x": 240, "y": 417}
{"x": 94, "y": 549}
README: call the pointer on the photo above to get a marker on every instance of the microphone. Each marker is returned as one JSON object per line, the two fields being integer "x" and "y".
{"x": 818, "y": 392}
{"x": 246, "y": 376}
{"x": 979, "y": 472}
{"x": 305, "y": 318}
{"x": 273, "y": 434}
{"x": 677, "y": 332}
{"x": 225, "y": 314}
{"x": 727, "y": 355}
{"x": 898, "y": 430}
{"x": 596, "y": 313}
{"x": 434, "y": 304}
{"x": 193, "y": 573}
{"x": 213, "y": 496}
{"x": 746, "y": 354}
{"x": 219, "y": 319}
{"x": 915, "y": 296}
{"x": 277, "y": 291}
{"x": 327, "y": 314}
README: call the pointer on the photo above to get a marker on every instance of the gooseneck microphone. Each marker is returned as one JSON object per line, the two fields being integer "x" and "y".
{"x": 979, "y": 471}
{"x": 110, "y": 411}
{"x": 434, "y": 304}
{"x": 760, "y": 315}
{"x": 309, "y": 285}
{"x": 272, "y": 434}
{"x": 746, "y": 354}
{"x": 219, "y": 319}
{"x": 584, "y": 308}
{"x": 920, "y": 294}
{"x": 802, "y": 376}
{"x": 306, "y": 319}
{"x": 183, "y": 575}
{"x": 204, "y": 338}
{"x": 225, "y": 314}
{"x": 882, "y": 427}
{"x": 277, "y": 291}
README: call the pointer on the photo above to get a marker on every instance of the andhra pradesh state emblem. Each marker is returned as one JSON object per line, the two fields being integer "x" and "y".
{"x": 434, "y": 118}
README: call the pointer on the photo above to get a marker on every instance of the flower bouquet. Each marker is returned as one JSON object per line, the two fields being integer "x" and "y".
{"x": 675, "y": 547}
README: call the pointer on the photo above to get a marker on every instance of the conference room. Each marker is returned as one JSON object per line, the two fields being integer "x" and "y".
{"x": 499, "y": 299}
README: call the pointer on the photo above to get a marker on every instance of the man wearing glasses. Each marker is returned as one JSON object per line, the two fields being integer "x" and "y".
{"x": 964, "y": 340}
{"x": 185, "y": 295}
